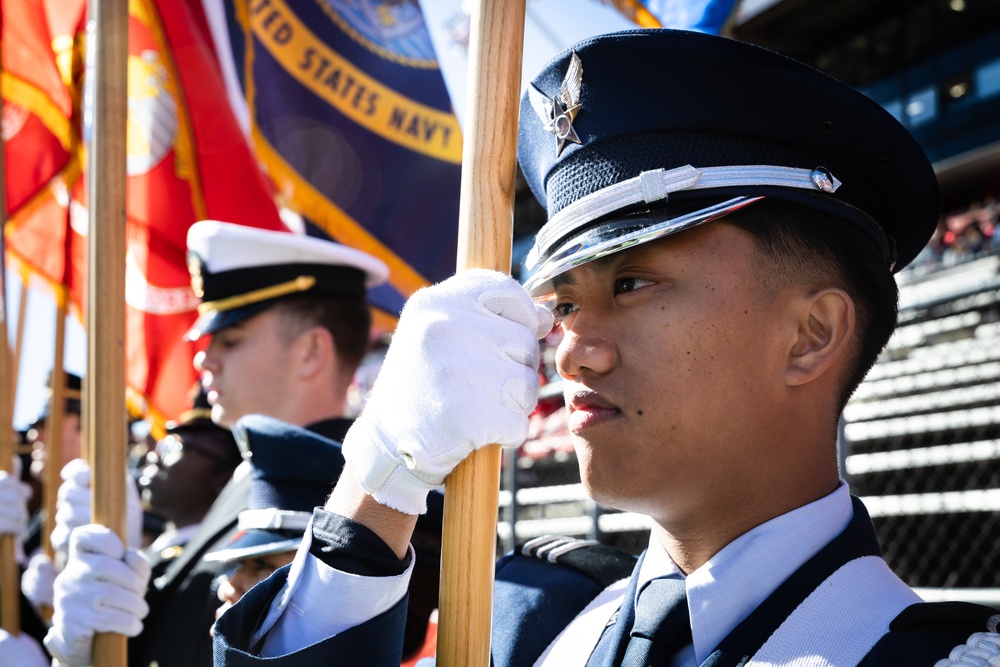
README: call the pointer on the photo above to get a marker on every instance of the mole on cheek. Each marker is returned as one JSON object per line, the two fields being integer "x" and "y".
{"x": 639, "y": 412}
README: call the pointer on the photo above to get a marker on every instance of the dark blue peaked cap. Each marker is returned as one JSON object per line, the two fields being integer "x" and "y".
{"x": 293, "y": 472}
{"x": 666, "y": 99}
{"x": 293, "y": 468}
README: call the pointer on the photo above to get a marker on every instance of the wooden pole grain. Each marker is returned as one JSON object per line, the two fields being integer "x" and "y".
{"x": 104, "y": 397}
{"x": 484, "y": 241}
{"x": 10, "y": 585}
{"x": 54, "y": 425}
{"x": 15, "y": 363}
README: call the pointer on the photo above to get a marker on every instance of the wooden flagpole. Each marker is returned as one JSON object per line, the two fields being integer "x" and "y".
{"x": 10, "y": 585}
{"x": 104, "y": 397}
{"x": 54, "y": 425}
{"x": 486, "y": 207}
{"x": 15, "y": 365}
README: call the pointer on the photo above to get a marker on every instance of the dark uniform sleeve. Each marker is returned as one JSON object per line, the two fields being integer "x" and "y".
{"x": 349, "y": 547}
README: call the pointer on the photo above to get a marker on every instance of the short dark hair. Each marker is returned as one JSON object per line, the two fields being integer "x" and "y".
{"x": 347, "y": 320}
{"x": 801, "y": 245}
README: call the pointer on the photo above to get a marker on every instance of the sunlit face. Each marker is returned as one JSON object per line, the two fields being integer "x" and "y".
{"x": 246, "y": 369}
{"x": 669, "y": 358}
{"x": 249, "y": 572}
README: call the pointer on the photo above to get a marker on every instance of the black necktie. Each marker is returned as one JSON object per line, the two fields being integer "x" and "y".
{"x": 661, "y": 626}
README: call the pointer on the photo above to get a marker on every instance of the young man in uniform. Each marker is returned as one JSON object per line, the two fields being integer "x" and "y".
{"x": 724, "y": 224}
{"x": 289, "y": 324}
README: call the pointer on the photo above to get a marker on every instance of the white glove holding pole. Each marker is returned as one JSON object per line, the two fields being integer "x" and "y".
{"x": 461, "y": 373}
{"x": 38, "y": 580}
{"x": 21, "y": 651}
{"x": 14, "y": 496}
{"x": 73, "y": 503}
{"x": 102, "y": 589}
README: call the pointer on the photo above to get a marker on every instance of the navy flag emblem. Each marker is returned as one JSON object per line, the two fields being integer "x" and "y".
{"x": 559, "y": 112}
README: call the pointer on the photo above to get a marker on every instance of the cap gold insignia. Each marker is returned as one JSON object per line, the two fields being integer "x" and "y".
{"x": 559, "y": 112}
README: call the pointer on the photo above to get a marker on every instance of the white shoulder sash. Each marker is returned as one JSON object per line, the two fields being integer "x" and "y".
{"x": 836, "y": 625}
{"x": 841, "y": 620}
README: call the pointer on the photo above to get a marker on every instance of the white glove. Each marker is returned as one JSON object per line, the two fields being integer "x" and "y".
{"x": 14, "y": 496}
{"x": 102, "y": 589}
{"x": 461, "y": 373}
{"x": 21, "y": 651}
{"x": 37, "y": 581}
{"x": 73, "y": 504}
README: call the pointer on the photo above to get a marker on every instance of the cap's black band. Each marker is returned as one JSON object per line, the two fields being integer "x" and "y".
{"x": 342, "y": 281}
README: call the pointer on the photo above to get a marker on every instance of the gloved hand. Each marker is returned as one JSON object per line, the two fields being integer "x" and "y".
{"x": 37, "y": 581}
{"x": 21, "y": 650}
{"x": 14, "y": 496}
{"x": 461, "y": 373}
{"x": 73, "y": 504}
{"x": 101, "y": 589}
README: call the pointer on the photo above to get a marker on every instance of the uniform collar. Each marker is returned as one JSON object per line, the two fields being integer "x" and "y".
{"x": 723, "y": 591}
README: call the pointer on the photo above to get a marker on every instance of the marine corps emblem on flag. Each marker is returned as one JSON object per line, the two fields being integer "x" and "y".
{"x": 152, "y": 117}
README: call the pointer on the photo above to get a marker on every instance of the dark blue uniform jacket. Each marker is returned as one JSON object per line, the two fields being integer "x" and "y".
{"x": 535, "y": 599}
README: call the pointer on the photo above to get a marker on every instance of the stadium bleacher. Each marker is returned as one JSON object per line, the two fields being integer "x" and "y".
{"x": 921, "y": 437}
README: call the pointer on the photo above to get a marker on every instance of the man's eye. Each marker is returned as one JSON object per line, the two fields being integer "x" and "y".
{"x": 623, "y": 285}
{"x": 561, "y": 311}
{"x": 228, "y": 342}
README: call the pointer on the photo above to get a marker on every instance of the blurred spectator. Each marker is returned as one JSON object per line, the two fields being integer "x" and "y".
{"x": 961, "y": 237}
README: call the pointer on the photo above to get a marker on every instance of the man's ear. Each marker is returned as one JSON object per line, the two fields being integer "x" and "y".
{"x": 826, "y": 323}
{"x": 313, "y": 351}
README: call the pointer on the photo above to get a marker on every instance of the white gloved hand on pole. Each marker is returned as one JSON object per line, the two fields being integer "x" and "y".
{"x": 102, "y": 589}
{"x": 21, "y": 651}
{"x": 14, "y": 496}
{"x": 38, "y": 580}
{"x": 73, "y": 503}
{"x": 461, "y": 373}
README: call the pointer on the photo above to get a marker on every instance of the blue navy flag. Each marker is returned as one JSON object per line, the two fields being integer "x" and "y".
{"x": 349, "y": 113}
{"x": 707, "y": 16}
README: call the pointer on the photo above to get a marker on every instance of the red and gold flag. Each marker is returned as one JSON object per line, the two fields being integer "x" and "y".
{"x": 187, "y": 161}
{"x": 41, "y": 71}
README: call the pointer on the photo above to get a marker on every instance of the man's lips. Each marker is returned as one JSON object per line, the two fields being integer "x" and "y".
{"x": 588, "y": 408}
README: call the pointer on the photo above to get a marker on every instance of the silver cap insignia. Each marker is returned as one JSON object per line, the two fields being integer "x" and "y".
{"x": 559, "y": 112}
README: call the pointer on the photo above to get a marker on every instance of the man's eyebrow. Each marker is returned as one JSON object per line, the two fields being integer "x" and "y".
{"x": 562, "y": 279}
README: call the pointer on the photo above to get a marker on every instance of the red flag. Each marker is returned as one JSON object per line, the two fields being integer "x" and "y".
{"x": 187, "y": 161}
{"x": 41, "y": 62}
